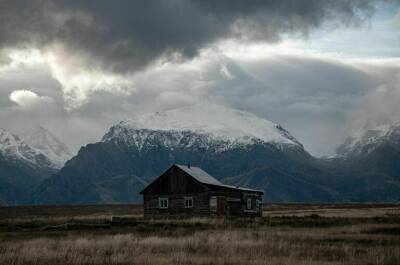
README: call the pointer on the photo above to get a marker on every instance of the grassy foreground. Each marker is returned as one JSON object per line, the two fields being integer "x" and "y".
{"x": 287, "y": 234}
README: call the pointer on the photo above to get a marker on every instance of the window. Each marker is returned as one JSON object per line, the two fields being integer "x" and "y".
{"x": 258, "y": 205}
{"x": 249, "y": 204}
{"x": 188, "y": 202}
{"x": 213, "y": 204}
{"x": 163, "y": 203}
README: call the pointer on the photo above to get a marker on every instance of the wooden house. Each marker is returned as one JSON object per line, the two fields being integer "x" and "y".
{"x": 190, "y": 191}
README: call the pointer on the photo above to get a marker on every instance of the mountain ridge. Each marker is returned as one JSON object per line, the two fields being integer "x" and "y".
{"x": 15, "y": 148}
{"x": 22, "y": 167}
{"x": 146, "y": 148}
{"x": 46, "y": 142}
{"x": 219, "y": 122}
{"x": 128, "y": 157}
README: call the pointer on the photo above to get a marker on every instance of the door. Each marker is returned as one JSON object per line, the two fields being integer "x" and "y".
{"x": 221, "y": 205}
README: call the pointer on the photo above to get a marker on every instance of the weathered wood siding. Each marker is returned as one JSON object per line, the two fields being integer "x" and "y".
{"x": 236, "y": 202}
{"x": 256, "y": 210}
{"x": 176, "y": 205}
{"x": 175, "y": 184}
{"x": 232, "y": 199}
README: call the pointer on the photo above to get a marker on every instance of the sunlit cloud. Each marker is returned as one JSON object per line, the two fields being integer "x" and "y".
{"x": 28, "y": 99}
{"x": 79, "y": 80}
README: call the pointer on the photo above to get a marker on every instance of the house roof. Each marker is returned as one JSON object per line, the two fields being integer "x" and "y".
{"x": 203, "y": 177}
{"x": 200, "y": 175}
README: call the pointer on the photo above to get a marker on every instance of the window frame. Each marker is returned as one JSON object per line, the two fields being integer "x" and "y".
{"x": 213, "y": 208}
{"x": 258, "y": 205}
{"x": 249, "y": 203}
{"x": 187, "y": 200}
{"x": 163, "y": 203}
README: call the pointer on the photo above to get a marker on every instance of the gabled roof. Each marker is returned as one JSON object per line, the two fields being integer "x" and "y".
{"x": 200, "y": 175}
{"x": 204, "y": 178}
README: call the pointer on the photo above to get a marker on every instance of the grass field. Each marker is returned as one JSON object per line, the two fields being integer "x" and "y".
{"x": 294, "y": 234}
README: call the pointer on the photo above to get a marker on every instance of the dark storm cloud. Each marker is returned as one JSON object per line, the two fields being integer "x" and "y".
{"x": 129, "y": 35}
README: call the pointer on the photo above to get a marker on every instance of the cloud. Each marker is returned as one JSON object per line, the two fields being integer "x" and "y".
{"x": 396, "y": 19}
{"x": 78, "y": 83}
{"x": 28, "y": 99}
{"x": 104, "y": 61}
{"x": 91, "y": 46}
{"x": 131, "y": 35}
{"x": 311, "y": 95}
{"x": 380, "y": 107}
{"x": 4, "y": 58}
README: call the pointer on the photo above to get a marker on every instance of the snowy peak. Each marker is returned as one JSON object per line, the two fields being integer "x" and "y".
{"x": 43, "y": 140}
{"x": 365, "y": 141}
{"x": 211, "y": 122}
{"x": 16, "y": 149}
{"x": 8, "y": 140}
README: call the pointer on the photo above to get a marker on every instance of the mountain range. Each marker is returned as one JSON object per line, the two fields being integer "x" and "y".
{"x": 26, "y": 162}
{"x": 236, "y": 147}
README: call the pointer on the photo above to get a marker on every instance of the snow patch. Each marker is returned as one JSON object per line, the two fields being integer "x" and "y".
{"x": 365, "y": 140}
{"x": 209, "y": 122}
{"x": 43, "y": 140}
{"x": 15, "y": 148}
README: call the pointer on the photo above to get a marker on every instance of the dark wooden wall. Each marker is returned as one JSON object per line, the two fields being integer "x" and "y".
{"x": 175, "y": 184}
{"x": 235, "y": 203}
{"x": 177, "y": 205}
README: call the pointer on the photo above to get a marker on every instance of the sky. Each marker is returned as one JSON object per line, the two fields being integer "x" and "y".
{"x": 323, "y": 69}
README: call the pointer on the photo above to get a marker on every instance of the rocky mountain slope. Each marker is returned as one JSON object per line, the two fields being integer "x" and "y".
{"x": 43, "y": 140}
{"x": 21, "y": 168}
{"x": 368, "y": 165}
{"x": 234, "y": 146}
{"x": 225, "y": 142}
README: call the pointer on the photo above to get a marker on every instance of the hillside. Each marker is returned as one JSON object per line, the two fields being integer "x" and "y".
{"x": 227, "y": 143}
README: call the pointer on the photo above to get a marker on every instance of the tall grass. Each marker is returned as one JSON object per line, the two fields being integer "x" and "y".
{"x": 273, "y": 245}
{"x": 295, "y": 237}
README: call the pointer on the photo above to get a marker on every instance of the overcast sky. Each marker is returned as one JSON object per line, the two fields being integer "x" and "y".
{"x": 320, "y": 68}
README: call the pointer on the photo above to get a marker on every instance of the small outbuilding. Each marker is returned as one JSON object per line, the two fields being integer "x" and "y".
{"x": 190, "y": 191}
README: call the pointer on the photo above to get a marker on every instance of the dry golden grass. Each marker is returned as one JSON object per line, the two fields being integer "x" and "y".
{"x": 231, "y": 246}
{"x": 282, "y": 240}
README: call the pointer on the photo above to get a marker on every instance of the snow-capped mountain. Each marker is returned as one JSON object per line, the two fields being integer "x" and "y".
{"x": 363, "y": 142}
{"x": 46, "y": 142}
{"x": 367, "y": 166}
{"x": 16, "y": 149}
{"x": 22, "y": 167}
{"x": 234, "y": 146}
{"x": 224, "y": 142}
{"x": 213, "y": 124}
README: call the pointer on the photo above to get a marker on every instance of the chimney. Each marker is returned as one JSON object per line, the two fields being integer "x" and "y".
{"x": 188, "y": 165}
